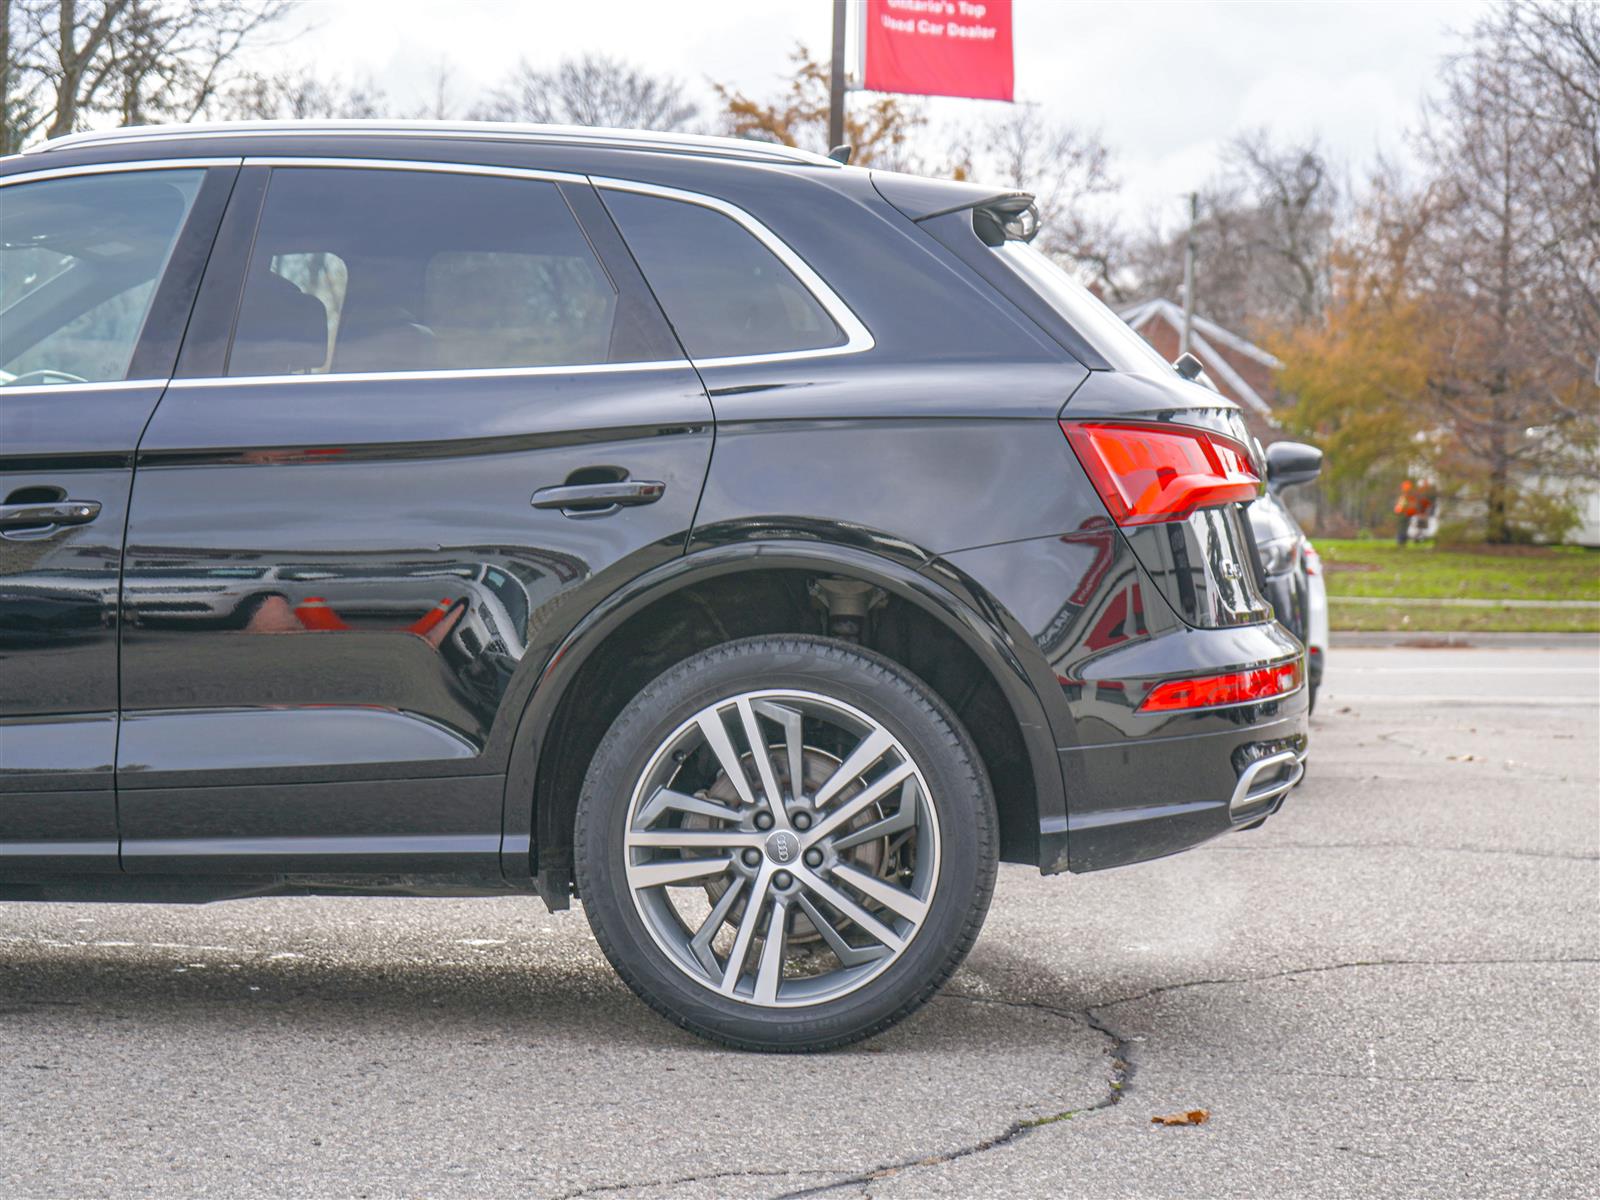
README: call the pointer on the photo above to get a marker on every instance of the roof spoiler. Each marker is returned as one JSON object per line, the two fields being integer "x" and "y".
{"x": 998, "y": 215}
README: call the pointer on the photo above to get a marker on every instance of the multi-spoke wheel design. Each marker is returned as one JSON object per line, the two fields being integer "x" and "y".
{"x": 781, "y": 847}
{"x": 785, "y": 843}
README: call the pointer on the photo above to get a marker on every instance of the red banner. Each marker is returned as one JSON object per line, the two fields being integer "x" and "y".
{"x": 939, "y": 48}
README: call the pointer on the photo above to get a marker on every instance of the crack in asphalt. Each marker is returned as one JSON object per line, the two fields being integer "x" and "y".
{"x": 600, "y": 1189}
{"x": 1123, "y": 1066}
{"x": 1121, "y": 1073}
{"x": 1559, "y": 854}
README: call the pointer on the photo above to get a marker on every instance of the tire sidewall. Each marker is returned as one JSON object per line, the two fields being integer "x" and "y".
{"x": 909, "y": 711}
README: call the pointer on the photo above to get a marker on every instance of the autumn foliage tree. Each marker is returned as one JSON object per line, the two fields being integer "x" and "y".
{"x": 1360, "y": 373}
{"x": 880, "y": 132}
{"x": 1465, "y": 319}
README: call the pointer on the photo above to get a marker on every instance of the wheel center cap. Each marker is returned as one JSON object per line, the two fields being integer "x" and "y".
{"x": 783, "y": 848}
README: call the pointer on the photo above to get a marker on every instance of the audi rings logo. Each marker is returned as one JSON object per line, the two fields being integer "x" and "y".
{"x": 783, "y": 847}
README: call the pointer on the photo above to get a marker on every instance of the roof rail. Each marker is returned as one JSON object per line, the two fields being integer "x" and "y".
{"x": 501, "y": 131}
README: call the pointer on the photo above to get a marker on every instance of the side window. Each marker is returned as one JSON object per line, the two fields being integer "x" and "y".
{"x": 80, "y": 259}
{"x": 396, "y": 270}
{"x": 725, "y": 293}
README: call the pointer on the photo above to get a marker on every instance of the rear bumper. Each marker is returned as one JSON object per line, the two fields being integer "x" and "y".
{"x": 1162, "y": 795}
{"x": 1144, "y": 785}
{"x": 1138, "y": 784}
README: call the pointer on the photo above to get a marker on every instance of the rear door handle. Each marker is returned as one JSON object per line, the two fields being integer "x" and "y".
{"x": 599, "y": 499}
{"x": 58, "y": 512}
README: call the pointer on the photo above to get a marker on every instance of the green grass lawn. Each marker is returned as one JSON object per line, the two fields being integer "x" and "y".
{"x": 1378, "y": 568}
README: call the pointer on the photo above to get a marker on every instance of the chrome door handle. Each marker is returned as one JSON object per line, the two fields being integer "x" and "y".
{"x": 599, "y": 499}
{"x": 58, "y": 512}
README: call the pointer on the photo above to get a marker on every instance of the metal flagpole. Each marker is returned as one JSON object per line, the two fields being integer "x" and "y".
{"x": 1188, "y": 276}
{"x": 836, "y": 83}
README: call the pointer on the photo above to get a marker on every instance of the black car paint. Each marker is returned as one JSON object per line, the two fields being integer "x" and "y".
{"x": 930, "y": 465}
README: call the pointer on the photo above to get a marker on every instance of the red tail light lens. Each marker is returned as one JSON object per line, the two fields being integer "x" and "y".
{"x": 1238, "y": 687}
{"x": 1152, "y": 473}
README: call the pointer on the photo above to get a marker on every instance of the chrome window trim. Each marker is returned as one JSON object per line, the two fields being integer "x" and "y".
{"x": 105, "y": 385}
{"x": 111, "y": 168}
{"x": 858, "y": 337}
{"x": 406, "y": 164}
{"x": 479, "y": 131}
{"x": 681, "y": 364}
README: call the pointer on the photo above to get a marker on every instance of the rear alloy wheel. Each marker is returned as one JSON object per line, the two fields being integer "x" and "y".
{"x": 786, "y": 843}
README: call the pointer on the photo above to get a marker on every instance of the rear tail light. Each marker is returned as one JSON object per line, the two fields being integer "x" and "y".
{"x": 1237, "y": 687}
{"x": 1152, "y": 473}
{"x": 1313, "y": 560}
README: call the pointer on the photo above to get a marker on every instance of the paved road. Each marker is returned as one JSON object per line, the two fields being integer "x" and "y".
{"x": 1391, "y": 989}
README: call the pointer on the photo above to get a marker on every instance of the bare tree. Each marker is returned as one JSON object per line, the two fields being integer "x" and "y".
{"x": 1552, "y": 83}
{"x": 133, "y": 60}
{"x": 1264, "y": 238}
{"x": 1512, "y": 256}
{"x": 592, "y": 90}
{"x": 299, "y": 95}
{"x": 440, "y": 104}
{"x": 20, "y": 111}
{"x": 1292, "y": 230}
{"x": 1067, "y": 169}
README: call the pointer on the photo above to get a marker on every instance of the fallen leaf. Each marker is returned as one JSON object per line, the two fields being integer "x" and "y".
{"x": 1195, "y": 1116}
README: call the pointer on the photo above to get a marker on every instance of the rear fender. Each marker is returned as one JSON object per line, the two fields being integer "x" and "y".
{"x": 943, "y": 595}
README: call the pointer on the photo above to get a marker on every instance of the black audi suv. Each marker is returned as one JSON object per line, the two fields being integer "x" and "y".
{"x": 756, "y": 548}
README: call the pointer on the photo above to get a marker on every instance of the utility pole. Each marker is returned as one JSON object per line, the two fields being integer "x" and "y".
{"x": 1188, "y": 277}
{"x": 836, "y": 83}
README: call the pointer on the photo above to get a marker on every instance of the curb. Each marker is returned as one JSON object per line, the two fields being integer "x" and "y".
{"x": 1421, "y": 639}
{"x": 1461, "y": 602}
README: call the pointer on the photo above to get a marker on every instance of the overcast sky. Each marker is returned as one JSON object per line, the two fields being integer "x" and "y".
{"x": 1165, "y": 83}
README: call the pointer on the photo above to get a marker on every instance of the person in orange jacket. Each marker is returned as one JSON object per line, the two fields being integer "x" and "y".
{"x": 1406, "y": 507}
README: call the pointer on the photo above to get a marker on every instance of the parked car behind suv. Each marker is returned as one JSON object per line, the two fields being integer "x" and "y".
{"x": 1291, "y": 568}
{"x": 852, "y": 548}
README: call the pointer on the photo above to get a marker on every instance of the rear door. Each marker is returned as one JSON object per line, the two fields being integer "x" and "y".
{"x": 98, "y": 270}
{"x": 426, "y": 416}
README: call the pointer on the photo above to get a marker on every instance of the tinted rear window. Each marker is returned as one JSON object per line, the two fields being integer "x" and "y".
{"x": 725, "y": 293}
{"x": 1108, "y": 333}
{"x": 390, "y": 270}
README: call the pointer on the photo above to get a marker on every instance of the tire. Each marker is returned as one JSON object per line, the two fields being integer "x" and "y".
{"x": 907, "y": 840}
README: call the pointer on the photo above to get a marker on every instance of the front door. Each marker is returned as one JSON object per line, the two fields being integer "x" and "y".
{"x": 98, "y": 268}
{"x": 449, "y": 418}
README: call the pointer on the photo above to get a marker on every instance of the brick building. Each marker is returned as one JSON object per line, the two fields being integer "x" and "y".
{"x": 1242, "y": 371}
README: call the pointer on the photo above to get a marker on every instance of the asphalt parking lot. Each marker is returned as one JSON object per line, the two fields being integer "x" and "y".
{"x": 1391, "y": 988}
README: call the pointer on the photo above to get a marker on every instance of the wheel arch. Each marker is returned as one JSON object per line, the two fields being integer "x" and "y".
{"x": 1002, "y": 709}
